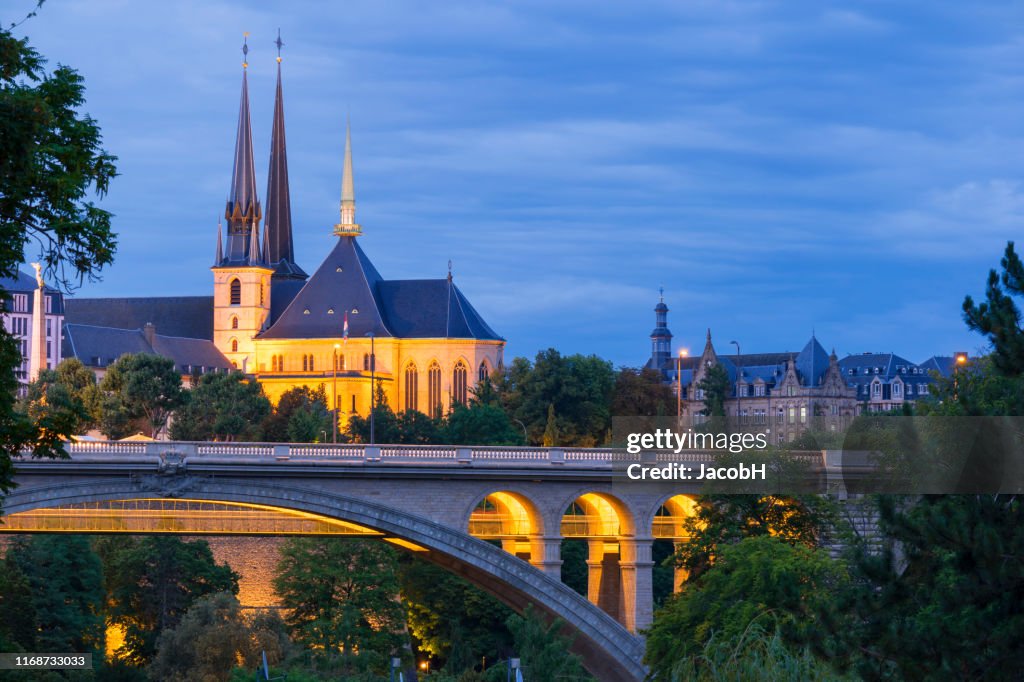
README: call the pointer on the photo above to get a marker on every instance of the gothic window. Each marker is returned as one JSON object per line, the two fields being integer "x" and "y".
{"x": 434, "y": 389}
{"x": 483, "y": 373}
{"x": 236, "y": 292}
{"x": 353, "y": 403}
{"x": 803, "y": 414}
{"x": 341, "y": 363}
{"x": 234, "y": 322}
{"x": 459, "y": 383}
{"x": 234, "y": 345}
{"x": 366, "y": 362}
{"x": 412, "y": 385}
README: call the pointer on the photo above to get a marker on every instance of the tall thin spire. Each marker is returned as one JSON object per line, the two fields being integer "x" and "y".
{"x": 220, "y": 248}
{"x": 348, "y": 225}
{"x": 278, "y": 246}
{"x": 242, "y": 209}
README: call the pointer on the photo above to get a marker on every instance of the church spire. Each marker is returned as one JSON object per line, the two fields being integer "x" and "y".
{"x": 220, "y": 245}
{"x": 278, "y": 247}
{"x": 348, "y": 225}
{"x": 242, "y": 209}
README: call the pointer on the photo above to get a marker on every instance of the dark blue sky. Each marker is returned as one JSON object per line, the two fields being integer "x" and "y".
{"x": 777, "y": 166}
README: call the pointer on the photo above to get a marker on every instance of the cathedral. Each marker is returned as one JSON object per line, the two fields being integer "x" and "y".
{"x": 342, "y": 327}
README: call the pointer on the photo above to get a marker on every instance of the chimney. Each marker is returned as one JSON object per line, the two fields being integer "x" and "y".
{"x": 149, "y": 331}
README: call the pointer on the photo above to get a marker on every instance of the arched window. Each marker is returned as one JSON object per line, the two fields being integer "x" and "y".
{"x": 483, "y": 373}
{"x": 236, "y": 292}
{"x": 234, "y": 322}
{"x": 273, "y": 363}
{"x": 234, "y": 345}
{"x": 459, "y": 383}
{"x": 434, "y": 389}
{"x": 341, "y": 363}
{"x": 311, "y": 362}
{"x": 305, "y": 363}
{"x": 412, "y": 386}
{"x": 366, "y": 362}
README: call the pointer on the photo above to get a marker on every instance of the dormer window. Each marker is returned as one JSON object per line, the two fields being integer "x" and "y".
{"x": 330, "y": 311}
{"x": 306, "y": 311}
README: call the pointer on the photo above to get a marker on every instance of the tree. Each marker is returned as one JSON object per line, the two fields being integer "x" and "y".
{"x": 385, "y": 423}
{"x": 543, "y": 650}
{"x": 208, "y": 642}
{"x": 65, "y": 582}
{"x": 143, "y": 385}
{"x": 18, "y": 626}
{"x": 222, "y": 407}
{"x": 65, "y": 393}
{"x": 765, "y": 580}
{"x": 726, "y": 519}
{"x": 302, "y": 415}
{"x": 641, "y": 393}
{"x": 579, "y": 387}
{"x": 998, "y": 317}
{"x": 950, "y": 606}
{"x": 480, "y": 424}
{"x": 152, "y": 581}
{"x": 717, "y": 388}
{"x": 50, "y": 159}
{"x": 452, "y": 621}
{"x": 342, "y": 600}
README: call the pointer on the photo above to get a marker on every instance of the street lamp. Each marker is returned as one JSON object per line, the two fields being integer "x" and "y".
{"x": 334, "y": 392}
{"x": 373, "y": 384}
{"x": 679, "y": 386}
{"x": 526, "y": 438}
{"x": 739, "y": 379}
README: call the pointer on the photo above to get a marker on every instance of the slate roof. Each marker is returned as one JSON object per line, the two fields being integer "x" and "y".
{"x": 185, "y": 316}
{"x": 812, "y": 362}
{"x": 98, "y": 346}
{"x": 943, "y": 364}
{"x": 347, "y": 281}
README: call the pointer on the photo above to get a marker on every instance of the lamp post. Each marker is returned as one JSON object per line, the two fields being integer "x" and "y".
{"x": 526, "y": 438}
{"x": 373, "y": 384}
{"x": 739, "y": 378}
{"x": 959, "y": 360}
{"x": 679, "y": 387}
{"x": 334, "y": 392}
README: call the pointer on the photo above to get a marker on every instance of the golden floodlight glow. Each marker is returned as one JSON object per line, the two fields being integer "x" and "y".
{"x": 411, "y": 546}
{"x": 179, "y": 516}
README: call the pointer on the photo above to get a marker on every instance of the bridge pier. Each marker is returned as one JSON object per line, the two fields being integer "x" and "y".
{"x": 546, "y": 554}
{"x": 636, "y": 567}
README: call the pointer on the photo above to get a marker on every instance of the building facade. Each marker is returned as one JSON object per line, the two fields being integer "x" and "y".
{"x": 342, "y": 328}
{"x": 784, "y": 394}
{"x": 38, "y": 335}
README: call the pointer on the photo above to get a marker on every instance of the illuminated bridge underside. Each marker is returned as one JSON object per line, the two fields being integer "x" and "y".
{"x": 178, "y": 516}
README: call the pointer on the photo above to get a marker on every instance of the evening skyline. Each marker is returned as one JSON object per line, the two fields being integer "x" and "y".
{"x": 777, "y": 168}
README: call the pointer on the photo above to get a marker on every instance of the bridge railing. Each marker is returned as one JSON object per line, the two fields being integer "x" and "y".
{"x": 344, "y": 453}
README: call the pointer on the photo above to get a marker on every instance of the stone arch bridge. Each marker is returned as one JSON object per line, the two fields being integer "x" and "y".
{"x": 496, "y": 516}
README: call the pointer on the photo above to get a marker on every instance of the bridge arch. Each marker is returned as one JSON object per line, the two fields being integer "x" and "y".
{"x": 608, "y": 649}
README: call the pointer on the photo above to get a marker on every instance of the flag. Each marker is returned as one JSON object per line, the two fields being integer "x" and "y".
{"x": 344, "y": 330}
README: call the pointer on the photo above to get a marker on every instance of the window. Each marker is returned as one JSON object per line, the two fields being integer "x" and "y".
{"x": 236, "y": 292}
{"x": 896, "y": 389}
{"x": 803, "y": 414}
{"x": 434, "y": 389}
{"x": 459, "y": 383}
{"x": 483, "y": 373}
{"x": 790, "y": 391}
{"x": 353, "y": 403}
{"x": 876, "y": 389}
{"x": 307, "y": 363}
{"x": 234, "y": 345}
{"x": 780, "y": 416}
{"x": 234, "y": 322}
{"x": 340, "y": 362}
{"x": 758, "y": 390}
{"x": 261, "y": 292}
{"x": 792, "y": 415}
{"x": 412, "y": 387}
{"x": 366, "y": 362}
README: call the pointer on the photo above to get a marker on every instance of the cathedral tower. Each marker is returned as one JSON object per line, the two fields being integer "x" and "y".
{"x": 241, "y": 276}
